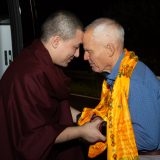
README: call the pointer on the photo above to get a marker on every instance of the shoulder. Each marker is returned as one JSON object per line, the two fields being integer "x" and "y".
{"x": 144, "y": 75}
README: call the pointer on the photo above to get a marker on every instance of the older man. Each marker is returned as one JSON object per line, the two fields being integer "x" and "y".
{"x": 130, "y": 101}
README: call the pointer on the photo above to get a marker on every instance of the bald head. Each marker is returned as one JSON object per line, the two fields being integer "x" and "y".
{"x": 103, "y": 44}
{"x": 107, "y": 29}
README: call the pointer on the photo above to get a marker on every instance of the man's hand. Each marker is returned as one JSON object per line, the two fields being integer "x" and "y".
{"x": 90, "y": 131}
{"x": 74, "y": 113}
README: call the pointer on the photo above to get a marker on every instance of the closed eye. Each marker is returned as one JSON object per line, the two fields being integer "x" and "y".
{"x": 89, "y": 51}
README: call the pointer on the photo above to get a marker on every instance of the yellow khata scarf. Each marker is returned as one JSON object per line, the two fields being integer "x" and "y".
{"x": 113, "y": 108}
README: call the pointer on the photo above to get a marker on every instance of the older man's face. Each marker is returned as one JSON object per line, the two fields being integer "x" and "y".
{"x": 96, "y": 53}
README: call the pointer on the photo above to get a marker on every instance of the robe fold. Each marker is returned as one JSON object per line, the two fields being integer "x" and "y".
{"x": 34, "y": 109}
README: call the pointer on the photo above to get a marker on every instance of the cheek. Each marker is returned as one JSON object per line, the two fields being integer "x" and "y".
{"x": 97, "y": 59}
{"x": 70, "y": 53}
{"x": 63, "y": 57}
{"x": 101, "y": 62}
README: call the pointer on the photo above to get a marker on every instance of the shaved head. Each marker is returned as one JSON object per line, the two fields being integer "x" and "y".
{"x": 103, "y": 28}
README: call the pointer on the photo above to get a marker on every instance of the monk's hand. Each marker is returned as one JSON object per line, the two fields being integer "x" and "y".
{"x": 90, "y": 131}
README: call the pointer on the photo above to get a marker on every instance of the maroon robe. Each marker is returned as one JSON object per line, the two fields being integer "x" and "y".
{"x": 34, "y": 109}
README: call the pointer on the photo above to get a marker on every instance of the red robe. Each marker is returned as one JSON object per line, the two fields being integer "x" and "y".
{"x": 34, "y": 109}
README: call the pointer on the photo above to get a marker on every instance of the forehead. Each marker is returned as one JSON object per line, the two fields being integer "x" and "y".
{"x": 89, "y": 41}
{"x": 79, "y": 35}
{"x": 87, "y": 38}
{"x": 77, "y": 39}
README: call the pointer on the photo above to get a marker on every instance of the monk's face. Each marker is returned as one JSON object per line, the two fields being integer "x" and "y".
{"x": 67, "y": 49}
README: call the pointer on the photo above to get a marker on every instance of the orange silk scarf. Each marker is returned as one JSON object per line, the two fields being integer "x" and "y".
{"x": 113, "y": 108}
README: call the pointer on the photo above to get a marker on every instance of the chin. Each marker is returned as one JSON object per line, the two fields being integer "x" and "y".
{"x": 63, "y": 65}
{"x": 96, "y": 70}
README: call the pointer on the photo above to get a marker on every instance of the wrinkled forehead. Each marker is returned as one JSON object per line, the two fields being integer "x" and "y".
{"x": 92, "y": 35}
{"x": 88, "y": 35}
{"x": 89, "y": 41}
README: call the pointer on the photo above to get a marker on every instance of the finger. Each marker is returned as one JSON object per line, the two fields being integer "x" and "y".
{"x": 94, "y": 117}
{"x": 103, "y": 138}
{"x": 98, "y": 120}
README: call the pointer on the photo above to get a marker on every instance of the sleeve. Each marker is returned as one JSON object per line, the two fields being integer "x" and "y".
{"x": 33, "y": 118}
{"x": 145, "y": 111}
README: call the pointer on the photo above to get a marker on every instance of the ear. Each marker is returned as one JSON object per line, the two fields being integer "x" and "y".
{"x": 55, "y": 40}
{"x": 110, "y": 49}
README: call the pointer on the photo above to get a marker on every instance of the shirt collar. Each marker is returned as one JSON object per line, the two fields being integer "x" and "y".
{"x": 112, "y": 76}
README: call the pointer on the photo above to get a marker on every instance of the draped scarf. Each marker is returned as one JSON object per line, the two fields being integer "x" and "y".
{"x": 113, "y": 108}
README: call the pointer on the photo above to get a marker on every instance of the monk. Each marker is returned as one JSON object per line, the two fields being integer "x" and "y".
{"x": 36, "y": 120}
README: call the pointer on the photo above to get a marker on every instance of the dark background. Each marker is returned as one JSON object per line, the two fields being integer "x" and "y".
{"x": 140, "y": 19}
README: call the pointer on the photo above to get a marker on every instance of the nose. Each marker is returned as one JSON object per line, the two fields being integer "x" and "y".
{"x": 86, "y": 56}
{"x": 77, "y": 53}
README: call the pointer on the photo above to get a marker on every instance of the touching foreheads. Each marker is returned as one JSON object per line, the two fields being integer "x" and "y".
{"x": 105, "y": 27}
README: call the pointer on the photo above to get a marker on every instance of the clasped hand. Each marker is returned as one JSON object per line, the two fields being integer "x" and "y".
{"x": 90, "y": 131}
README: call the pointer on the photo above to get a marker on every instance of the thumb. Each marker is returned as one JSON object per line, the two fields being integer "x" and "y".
{"x": 102, "y": 137}
{"x": 97, "y": 121}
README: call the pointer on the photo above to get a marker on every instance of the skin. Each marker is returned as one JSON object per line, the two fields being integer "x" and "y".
{"x": 62, "y": 52}
{"x": 83, "y": 131}
{"x": 100, "y": 52}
